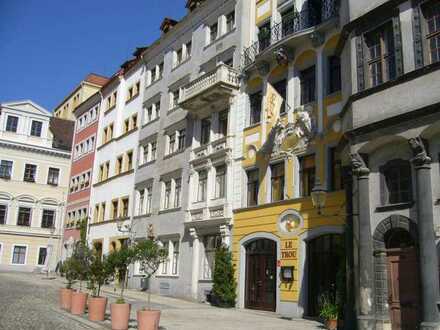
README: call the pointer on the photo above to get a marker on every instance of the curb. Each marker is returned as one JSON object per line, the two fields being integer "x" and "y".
{"x": 80, "y": 319}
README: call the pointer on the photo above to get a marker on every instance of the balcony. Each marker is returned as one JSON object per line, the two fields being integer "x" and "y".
{"x": 290, "y": 30}
{"x": 217, "y": 148}
{"x": 212, "y": 90}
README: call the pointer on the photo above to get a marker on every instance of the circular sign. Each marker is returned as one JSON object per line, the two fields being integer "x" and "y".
{"x": 290, "y": 222}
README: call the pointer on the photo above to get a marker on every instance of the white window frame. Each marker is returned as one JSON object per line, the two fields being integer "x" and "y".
{"x": 25, "y": 256}
{"x": 38, "y": 255}
{"x": 7, "y": 211}
{"x": 36, "y": 172}
{"x": 43, "y": 208}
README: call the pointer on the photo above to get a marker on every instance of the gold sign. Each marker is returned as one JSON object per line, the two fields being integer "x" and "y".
{"x": 273, "y": 104}
{"x": 288, "y": 252}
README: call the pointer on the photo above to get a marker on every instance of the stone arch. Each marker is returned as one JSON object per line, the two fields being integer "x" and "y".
{"x": 331, "y": 44}
{"x": 394, "y": 221}
{"x": 305, "y": 59}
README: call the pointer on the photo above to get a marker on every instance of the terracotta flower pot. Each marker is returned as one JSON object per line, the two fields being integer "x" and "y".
{"x": 120, "y": 314}
{"x": 331, "y": 324}
{"x": 65, "y": 298}
{"x": 79, "y": 300}
{"x": 97, "y": 307}
{"x": 148, "y": 319}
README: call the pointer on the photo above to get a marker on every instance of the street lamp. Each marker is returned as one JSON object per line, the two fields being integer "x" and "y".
{"x": 319, "y": 196}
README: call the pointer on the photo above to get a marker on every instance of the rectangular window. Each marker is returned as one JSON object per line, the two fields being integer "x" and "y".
{"x": 432, "y": 17}
{"x": 167, "y": 195}
{"x": 307, "y": 174}
{"x": 24, "y": 216}
{"x": 264, "y": 36}
{"x": 175, "y": 98}
{"x": 172, "y": 143}
{"x": 149, "y": 205}
{"x": 253, "y": 186}
{"x": 188, "y": 49}
{"x": 255, "y": 110}
{"x": 223, "y": 123}
{"x": 3, "y": 214}
{"x": 205, "y": 131}
{"x": 334, "y": 74}
{"x": 12, "y": 124}
{"x": 202, "y": 186}
{"x": 30, "y": 172}
{"x": 166, "y": 247}
{"x": 118, "y": 167}
{"x": 175, "y": 262}
{"x": 307, "y": 83}
{"x": 42, "y": 254}
{"x": 179, "y": 56}
{"x": 48, "y": 220}
{"x": 230, "y": 21}
{"x": 129, "y": 160}
{"x": 36, "y": 128}
{"x": 213, "y": 30}
{"x": 153, "y": 150}
{"x": 181, "y": 139}
{"x": 211, "y": 244}
{"x": 220, "y": 181}
{"x": 124, "y": 207}
{"x": 53, "y": 176}
{"x": 5, "y": 169}
{"x": 141, "y": 202}
{"x": 277, "y": 182}
{"x": 335, "y": 170}
{"x": 281, "y": 88}
{"x": 115, "y": 209}
{"x": 177, "y": 192}
{"x": 160, "y": 71}
{"x": 19, "y": 255}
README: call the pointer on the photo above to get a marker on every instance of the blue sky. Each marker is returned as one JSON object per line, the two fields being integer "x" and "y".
{"x": 49, "y": 46}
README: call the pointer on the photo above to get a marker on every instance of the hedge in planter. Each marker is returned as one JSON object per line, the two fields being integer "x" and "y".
{"x": 224, "y": 285}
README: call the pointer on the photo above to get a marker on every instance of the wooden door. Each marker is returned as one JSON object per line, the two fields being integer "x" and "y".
{"x": 261, "y": 275}
{"x": 403, "y": 288}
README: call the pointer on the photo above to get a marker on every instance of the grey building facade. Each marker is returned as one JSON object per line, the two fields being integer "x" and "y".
{"x": 390, "y": 69}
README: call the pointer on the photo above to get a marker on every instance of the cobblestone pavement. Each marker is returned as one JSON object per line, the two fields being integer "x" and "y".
{"x": 28, "y": 302}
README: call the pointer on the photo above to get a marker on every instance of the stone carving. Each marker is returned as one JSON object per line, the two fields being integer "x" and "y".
{"x": 420, "y": 155}
{"x": 358, "y": 164}
{"x": 281, "y": 56}
{"x": 317, "y": 39}
{"x": 263, "y": 68}
{"x": 197, "y": 216}
{"x": 217, "y": 213}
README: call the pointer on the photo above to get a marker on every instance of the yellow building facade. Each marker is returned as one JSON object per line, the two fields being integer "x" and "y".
{"x": 286, "y": 251}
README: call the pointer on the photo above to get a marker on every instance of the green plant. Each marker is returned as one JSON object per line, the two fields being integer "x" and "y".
{"x": 69, "y": 272}
{"x": 224, "y": 284}
{"x": 118, "y": 262}
{"x": 80, "y": 262}
{"x": 328, "y": 307}
{"x": 149, "y": 255}
{"x": 99, "y": 273}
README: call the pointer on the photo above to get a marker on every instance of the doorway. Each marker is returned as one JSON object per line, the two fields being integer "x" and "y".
{"x": 403, "y": 280}
{"x": 261, "y": 271}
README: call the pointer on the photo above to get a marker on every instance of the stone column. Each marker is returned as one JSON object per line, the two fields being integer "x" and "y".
{"x": 366, "y": 309}
{"x": 195, "y": 263}
{"x": 427, "y": 249}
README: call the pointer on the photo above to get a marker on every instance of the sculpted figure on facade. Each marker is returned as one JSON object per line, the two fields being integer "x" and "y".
{"x": 419, "y": 151}
{"x": 358, "y": 164}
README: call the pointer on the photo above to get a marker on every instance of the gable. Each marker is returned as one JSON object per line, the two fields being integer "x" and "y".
{"x": 27, "y": 106}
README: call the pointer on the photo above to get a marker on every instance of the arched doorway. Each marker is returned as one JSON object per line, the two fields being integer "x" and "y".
{"x": 403, "y": 279}
{"x": 325, "y": 257}
{"x": 260, "y": 287}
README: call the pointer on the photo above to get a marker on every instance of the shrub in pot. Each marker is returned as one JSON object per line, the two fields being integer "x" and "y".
{"x": 66, "y": 293}
{"x": 118, "y": 263}
{"x": 224, "y": 285}
{"x": 99, "y": 273}
{"x": 80, "y": 262}
{"x": 149, "y": 255}
{"x": 329, "y": 310}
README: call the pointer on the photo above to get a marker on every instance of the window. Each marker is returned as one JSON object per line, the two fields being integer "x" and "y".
{"x": 334, "y": 74}
{"x": 213, "y": 30}
{"x": 5, "y": 169}
{"x": 202, "y": 186}
{"x": 336, "y": 182}
{"x": 19, "y": 255}
{"x": 118, "y": 166}
{"x": 24, "y": 216}
{"x": 36, "y": 128}
{"x": 175, "y": 258}
{"x": 220, "y": 181}
{"x": 42, "y": 254}
{"x": 53, "y": 176}
{"x": 149, "y": 205}
{"x": 129, "y": 160}
{"x": 181, "y": 140}
{"x": 159, "y": 71}
{"x": 179, "y": 56}
{"x": 166, "y": 247}
{"x": 205, "y": 131}
{"x": 177, "y": 192}
{"x": 253, "y": 186}
{"x": 396, "y": 185}
{"x": 281, "y": 88}
{"x": 126, "y": 125}
{"x": 255, "y": 111}
{"x": 223, "y": 123}
{"x": 211, "y": 244}
{"x": 3, "y": 214}
{"x": 307, "y": 174}
{"x": 307, "y": 83}
{"x": 171, "y": 143}
{"x": 115, "y": 213}
{"x": 174, "y": 98}
{"x": 277, "y": 182}
{"x": 124, "y": 210}
{"x": 48, "y": 220}
{"x": 431, "y": 13}
{"x": 264, "y": 34}
{"x": 153, "y": 150}
{"x": 30, "y": 172}
{"x": 230, "y": 21}
{"x": 12, "y": 124}
{"x": 167, "y": 195}
{"x": 188, "y": 49}
{"x": 141, "y": 202}
{"x": 380, "y": 55}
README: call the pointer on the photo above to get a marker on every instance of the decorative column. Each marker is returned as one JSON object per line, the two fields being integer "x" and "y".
{"x": 195, "y": 263}
{"x": 366, "y": 308}
{"x": 225, "y": 233}
{"x": 425, "y": 223}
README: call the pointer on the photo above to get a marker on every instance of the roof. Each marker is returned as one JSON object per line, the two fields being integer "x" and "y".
{"x": 96, "y": 79}
{"x": 21, "y": 104}
{"x": 62, "y": 131}
{"x": 192, "y": 4}
{"x": 167, "y": 24}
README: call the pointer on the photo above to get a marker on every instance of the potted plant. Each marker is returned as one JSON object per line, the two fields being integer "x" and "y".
{"x": 149, "y": 255}
{"x": 118, "y": 262}
{"x": 80, "y": 262}
{"x": 224, "y": 285}
{"x": 99, "y": 273}
{"x": 66, "y": 293}
{"x": 329, "y": 310}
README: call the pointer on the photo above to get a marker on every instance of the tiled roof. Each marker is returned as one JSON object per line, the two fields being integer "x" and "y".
{"x": 93, "y": 78}
{"x": 62, "y": 131}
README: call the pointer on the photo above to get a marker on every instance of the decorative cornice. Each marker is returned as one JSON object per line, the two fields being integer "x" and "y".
{"x": 28, "y": 148}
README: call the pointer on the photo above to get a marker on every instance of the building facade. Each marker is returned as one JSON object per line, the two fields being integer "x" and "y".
{"x": 91, "y": 84}
{"x": 287, "y": 253}
{"x": 390, "y": 58}
{"x": 34, "y": 177}
{"x": 184, "y": 180}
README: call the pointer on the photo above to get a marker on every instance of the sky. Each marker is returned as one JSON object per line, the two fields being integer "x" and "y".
{"x": 48, "y": 46}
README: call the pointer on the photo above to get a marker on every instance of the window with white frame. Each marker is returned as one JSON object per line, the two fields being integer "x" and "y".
{"x": 149, "y": 151}
{"x": 165, "y": 263}
{"x": 202, "y": 186}
{"x": 42, "y": 255}
{"x": 171, "y": 265}
{"x": 230, "y": 21}
{"x": 5, "y": 169}
{"x": 48, "y": 219}
{"x": 213, "y": 32}
{"x": 53, "y": 176}
{"x": 220, "y": 181}
{"x": 30, "y": 172}
{"x": 141, "y": 202}
{"x": 151, "y": 112}
{"x": 211, "y": 243}
{"x": 12, "y": 124}
{"x": 167, "y": 195}
{"x": 149, "y": 201}
{"x": 3, "y": 213}
{"x": 177, "y": 192}
{"x": 19, "y": 254}
{"x": 174, "y": 98}
{"x": 36, "y": 128}
{"x": 24, "y": 216}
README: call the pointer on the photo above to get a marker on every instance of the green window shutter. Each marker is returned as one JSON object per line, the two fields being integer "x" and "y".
{"x": 417, "y": 36}
{"x": 360, "y": 63}
{"x": 397, "y": 34}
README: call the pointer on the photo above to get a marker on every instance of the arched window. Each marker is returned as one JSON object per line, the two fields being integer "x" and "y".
{"x": 396, "y": 182}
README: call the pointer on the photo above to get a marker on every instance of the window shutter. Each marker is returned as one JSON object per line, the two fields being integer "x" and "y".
{"x": 397, "y": 34}
{"x": 360, "y": 63}
{"x": 417, "y": 36}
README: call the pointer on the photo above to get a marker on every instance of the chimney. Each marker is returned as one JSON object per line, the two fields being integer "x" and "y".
{"x": 167, "y": 24}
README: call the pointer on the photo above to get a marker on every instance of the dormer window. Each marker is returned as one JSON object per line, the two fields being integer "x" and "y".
{"x": 36, "y": 128}
{"x": 12, "y": 124}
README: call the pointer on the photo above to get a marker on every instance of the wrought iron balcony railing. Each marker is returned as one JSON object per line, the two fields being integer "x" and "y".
{"x": 290, "y": 24}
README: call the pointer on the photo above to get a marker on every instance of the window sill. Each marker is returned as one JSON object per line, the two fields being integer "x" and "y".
{"x": 204, "y": 280}
{"x": 154, "y": 82}
{"x": 132, "y": 98}
{"x": 151, "y": 122}
{"x": 223, "y": 36}
{"x": 392, "y": 207}
{"x": 109, "y": 109}
{"x": 174, "y": 209}
{"x": 173, "y": 109}
{"x": 252, "y": 126}
{"x": 104, "y": 144}
{"x": 181, "y": 63}
{"x": 126, "y": 134}
{"x": 173, "y": 154}
{"x": 147, "y": 164}
{"x": 140, "y": 216}
{"x": 167, "y": 276}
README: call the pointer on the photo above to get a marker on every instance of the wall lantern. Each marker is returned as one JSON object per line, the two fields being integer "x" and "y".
{"x": 319, "y": 195}
{"x": 287, "y": 273}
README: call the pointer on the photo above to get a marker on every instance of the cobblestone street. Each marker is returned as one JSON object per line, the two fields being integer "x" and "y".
{"x": 30, "y": 302}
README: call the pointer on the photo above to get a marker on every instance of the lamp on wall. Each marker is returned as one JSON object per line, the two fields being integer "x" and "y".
{"x": 319, "y": 196}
